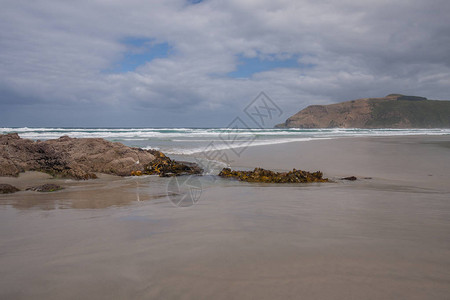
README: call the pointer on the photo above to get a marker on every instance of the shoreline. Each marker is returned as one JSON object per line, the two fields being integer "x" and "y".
{"x": 244, "y": 160}
{"x": 373, "y": 160}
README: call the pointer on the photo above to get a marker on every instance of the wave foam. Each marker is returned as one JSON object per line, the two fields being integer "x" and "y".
{"x": 225, "y": 146}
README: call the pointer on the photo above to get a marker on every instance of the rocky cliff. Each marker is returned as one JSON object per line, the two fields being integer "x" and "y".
{"x": 392, "y": 111}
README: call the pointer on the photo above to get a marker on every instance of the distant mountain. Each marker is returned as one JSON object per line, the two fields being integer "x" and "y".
{"x": 392, "y": 111}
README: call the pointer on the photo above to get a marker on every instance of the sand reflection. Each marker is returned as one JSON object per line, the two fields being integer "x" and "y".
{"x": 105, "y": 192}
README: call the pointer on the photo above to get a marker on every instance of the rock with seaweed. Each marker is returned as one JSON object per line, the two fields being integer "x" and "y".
{"x": 268, "y": 176}
{"x": 165, "y": 167}
{"x": 82, "y": 158}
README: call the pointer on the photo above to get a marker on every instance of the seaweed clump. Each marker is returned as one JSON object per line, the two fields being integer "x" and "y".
{"x": 268, "y": 176}
{"x": 166, "y": 167}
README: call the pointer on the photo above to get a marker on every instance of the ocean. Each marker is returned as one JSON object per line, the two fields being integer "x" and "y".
{"x": 189, "y": 141}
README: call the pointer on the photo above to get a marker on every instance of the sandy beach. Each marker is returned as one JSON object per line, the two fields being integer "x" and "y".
{"x": 386, "y": 237}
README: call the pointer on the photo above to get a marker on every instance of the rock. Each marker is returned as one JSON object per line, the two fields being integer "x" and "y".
{"x": 351, "y": 178}
{"x": 261, "y": 175}
{"x": 46, "y": 188}
{"x": 82, "y": 158}
{"x": 7, "y": 189}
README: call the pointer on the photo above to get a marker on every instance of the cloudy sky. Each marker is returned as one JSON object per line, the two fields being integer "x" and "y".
{"x": 199, "y": 63}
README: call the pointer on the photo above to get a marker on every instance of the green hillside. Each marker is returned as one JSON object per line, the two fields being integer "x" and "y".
{"x": 419, "y": 113}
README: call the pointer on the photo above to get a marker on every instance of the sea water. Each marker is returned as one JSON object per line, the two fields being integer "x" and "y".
{"x": 188, "y": 141}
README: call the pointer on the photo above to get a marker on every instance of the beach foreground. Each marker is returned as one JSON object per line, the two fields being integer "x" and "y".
{"x": 386, "y": 237}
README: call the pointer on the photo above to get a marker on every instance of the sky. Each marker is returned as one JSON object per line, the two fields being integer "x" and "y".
{"x": 181, "y": 63}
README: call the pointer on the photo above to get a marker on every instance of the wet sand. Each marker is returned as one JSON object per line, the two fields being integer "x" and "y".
{"x": 380, "y": 238}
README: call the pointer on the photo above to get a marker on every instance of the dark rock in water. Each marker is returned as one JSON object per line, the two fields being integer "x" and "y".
{"x": 82, "y": 158}
{"x": 351, "y": 178}
{"x": 48, "y": 187}
{"x": 261, "y": 175}
{"x": 7, "y": 189}
{"x": 165, "y": 167}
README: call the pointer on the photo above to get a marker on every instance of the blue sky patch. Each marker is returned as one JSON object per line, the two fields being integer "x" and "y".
{"x": 248, "y": 66}
{"x": 139, "y": 52}
{"x": 194, "y": 1}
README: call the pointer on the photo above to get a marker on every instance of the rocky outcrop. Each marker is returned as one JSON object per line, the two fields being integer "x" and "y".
{"x": 261, "y": 175}
{"x": 7, "y": 189}
{"x": 392, "y": 111}
{"x": 75, "y": 158}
